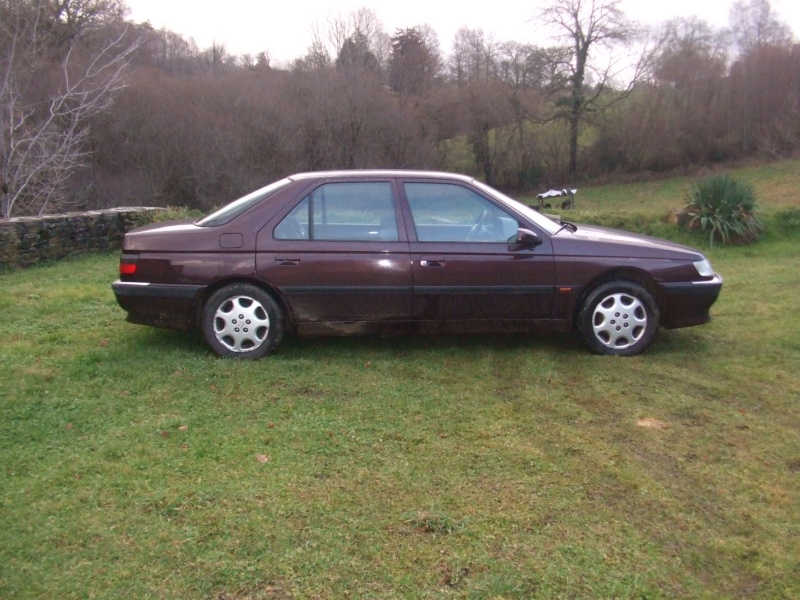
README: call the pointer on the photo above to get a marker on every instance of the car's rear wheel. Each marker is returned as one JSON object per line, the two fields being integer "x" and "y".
{"x": 618, "y": 318}
{"x": 242, "y": 321}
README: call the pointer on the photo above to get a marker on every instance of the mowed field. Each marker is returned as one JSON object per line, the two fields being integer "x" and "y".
{"x": 134, "y": 463}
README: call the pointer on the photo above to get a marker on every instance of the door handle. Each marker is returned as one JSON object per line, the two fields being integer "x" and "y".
{"x": 287, "y": 262}
{"x": 431, "y": 263}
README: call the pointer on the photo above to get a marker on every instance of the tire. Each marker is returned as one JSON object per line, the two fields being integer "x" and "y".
{"x": 242, "y": 321}
{"x": 618, "y": 318}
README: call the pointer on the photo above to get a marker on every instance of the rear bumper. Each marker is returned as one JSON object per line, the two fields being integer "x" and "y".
{"x": 687, "y": 304}
{"x": 157, "y": 304}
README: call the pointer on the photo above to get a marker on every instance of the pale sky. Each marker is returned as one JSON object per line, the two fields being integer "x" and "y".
{"x": 283, "y": 28}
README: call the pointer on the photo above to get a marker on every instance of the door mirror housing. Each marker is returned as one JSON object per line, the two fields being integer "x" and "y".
{"x": 526, "y": 237}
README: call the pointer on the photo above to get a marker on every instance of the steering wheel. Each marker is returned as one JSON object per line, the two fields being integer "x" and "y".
{"x": 473, "y": 233}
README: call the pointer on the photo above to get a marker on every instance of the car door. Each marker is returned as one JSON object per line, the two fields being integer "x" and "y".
{"x": 338, "y": 255}
{"x": 466, "y": 264}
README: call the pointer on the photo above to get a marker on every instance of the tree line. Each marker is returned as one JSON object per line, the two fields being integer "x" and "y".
{"x": 98, "y": 111}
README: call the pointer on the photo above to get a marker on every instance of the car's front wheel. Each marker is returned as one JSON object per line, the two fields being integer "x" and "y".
{"x": 242, "y": 321}
{"x": 618, "y": 318}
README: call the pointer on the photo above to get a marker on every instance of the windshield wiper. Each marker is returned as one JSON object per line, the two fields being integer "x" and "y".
{"x": 567, "y": 225}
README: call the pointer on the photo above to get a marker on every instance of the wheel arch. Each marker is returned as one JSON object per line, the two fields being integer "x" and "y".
{"x": 631, "y": 274}
{"x": 201, "y": 298}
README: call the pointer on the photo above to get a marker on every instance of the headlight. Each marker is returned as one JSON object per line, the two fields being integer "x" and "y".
{"x": 704, "y": 268}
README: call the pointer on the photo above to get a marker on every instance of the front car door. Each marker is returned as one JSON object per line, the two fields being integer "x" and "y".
{"x": 339, "y": 259}
{"x": 468, "y": 271}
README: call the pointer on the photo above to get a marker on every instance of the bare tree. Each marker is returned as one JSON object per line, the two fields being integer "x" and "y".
{"x": 525, "y": 66}
{"x": 74, "y": 19}
{"x": 42, "y": 134}
{"x": 216, "y": 56}
{"x": 689, "y": 50}
{"x": 689, "y": 70}
{"x": 169, "y": 51}
{"x": 764, "y": 100}
{"x": 474, "y": 56}
{"x": 328, "y": 39}
{"x": 755, "y": 25}
{"x": 585, "y": 26}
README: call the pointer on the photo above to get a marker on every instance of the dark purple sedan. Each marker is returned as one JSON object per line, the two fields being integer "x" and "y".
{"x": 397, "y": 252}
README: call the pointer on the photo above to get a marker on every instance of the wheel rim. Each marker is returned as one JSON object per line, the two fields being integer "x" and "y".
{"x": 619, "y": 321}
{"x": 241, "y": 324}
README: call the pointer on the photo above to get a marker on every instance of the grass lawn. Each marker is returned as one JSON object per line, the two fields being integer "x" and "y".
{"x": 775, "y": 184}
{"x": 133, "y": 463}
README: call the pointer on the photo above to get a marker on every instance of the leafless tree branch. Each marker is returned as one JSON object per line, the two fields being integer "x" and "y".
{"x": 42, "y": 142}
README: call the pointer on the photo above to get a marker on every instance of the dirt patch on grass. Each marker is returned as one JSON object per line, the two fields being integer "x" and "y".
{"x": 651, "y": 423}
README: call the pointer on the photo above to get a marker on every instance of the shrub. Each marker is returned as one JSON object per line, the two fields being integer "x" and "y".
{"x": 724, "y": 209}
{"x": 170, "y": 213}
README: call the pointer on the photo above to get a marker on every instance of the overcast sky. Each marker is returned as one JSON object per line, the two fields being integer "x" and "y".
{"x": 283, "y": 28}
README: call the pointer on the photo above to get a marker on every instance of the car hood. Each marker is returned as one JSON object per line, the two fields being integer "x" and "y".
{"x": 590, "y": 240}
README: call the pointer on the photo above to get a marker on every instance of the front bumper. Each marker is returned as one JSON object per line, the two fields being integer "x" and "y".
{"x": 687, "y": 303}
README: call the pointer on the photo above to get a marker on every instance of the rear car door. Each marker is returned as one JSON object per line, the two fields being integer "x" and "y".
{"x": 337, "y": 255}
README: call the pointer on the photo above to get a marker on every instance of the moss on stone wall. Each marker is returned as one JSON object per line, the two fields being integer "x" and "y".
{"x": 25, "y": 241}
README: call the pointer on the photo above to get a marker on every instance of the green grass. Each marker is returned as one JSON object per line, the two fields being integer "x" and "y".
{"x": 136, "y": 464}
{"x": 775, "y": 184}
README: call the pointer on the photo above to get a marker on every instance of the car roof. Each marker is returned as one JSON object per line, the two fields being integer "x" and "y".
{"x": 371, "y": 173}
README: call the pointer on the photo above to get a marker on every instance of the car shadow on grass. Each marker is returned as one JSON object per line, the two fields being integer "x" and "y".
{"x": 687, "y": 342}
{"x": 153, "y": 339}
{"x": 682, "y": 342}
{"x": 421, "y": 344}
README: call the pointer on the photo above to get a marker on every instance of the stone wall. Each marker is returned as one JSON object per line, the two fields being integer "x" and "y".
{"x": 25, "y": 241}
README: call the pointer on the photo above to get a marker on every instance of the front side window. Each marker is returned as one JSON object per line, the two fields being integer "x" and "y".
{"x": 444, "y": 212}
{"x": 355, "y": 212}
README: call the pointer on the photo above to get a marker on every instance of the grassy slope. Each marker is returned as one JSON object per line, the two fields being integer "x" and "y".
{"x": 477, "y": 467}
{"x": 776, "y": 185}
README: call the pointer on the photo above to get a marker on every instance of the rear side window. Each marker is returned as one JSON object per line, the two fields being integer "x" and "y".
{"x": 355, "y": 212}
{"x": 230, "y": 211}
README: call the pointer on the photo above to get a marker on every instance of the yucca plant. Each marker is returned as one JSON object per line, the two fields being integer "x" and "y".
{"x": 724, "y": 209}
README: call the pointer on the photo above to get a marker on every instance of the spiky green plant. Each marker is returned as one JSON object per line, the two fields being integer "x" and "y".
{"x": 724, "y": 209}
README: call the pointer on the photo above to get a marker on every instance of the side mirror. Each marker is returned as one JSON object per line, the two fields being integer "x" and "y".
{"x": 528, "y": 238}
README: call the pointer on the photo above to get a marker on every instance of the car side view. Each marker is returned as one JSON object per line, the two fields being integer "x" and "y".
{"x": 401, "y": 252}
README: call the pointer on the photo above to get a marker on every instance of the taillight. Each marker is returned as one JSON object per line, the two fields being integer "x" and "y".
{"x": 127, "y": 268}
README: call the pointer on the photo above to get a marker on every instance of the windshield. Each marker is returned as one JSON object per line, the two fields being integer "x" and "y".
{"x": 542, "y": 221}
{"x": 230, "y": 211}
